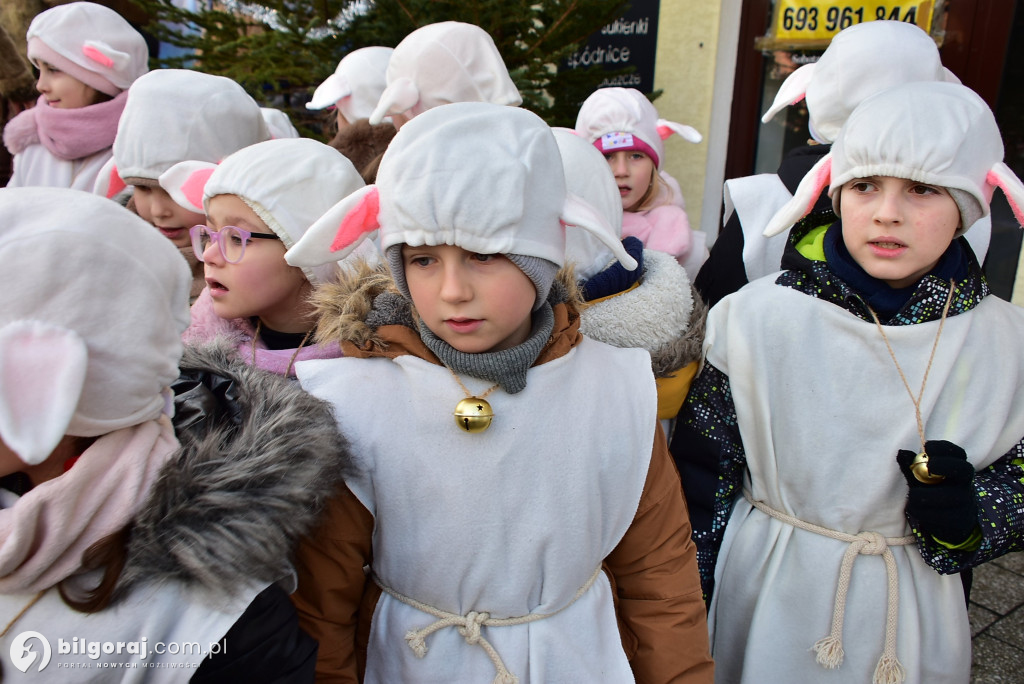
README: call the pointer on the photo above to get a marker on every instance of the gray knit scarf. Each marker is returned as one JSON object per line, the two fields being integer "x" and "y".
{"x": 506, "y": 367}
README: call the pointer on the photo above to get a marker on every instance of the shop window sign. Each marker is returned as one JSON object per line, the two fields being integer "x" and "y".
{"x": 628, "y": 41}
{"x": 811, "y": 24}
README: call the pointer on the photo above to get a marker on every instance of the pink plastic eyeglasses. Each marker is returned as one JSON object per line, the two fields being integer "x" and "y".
{"x": 231, "y": 241}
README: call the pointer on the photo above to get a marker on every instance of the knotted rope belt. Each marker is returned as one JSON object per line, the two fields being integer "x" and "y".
{"x": 469, "y": 625}
{"x": 830, "y": 648}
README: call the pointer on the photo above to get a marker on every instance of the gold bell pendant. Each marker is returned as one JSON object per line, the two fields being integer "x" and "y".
{"x": 473, "y": 414}
{"x": 919, "y": 467}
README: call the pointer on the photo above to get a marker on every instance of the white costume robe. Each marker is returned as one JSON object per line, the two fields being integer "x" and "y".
{"x": 822, "y": 412}
{"x": 511, "y": 521}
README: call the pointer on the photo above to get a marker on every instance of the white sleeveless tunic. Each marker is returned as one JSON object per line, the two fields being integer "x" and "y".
{"x": 510, "y": 521}
{"x": 822, "y": 412}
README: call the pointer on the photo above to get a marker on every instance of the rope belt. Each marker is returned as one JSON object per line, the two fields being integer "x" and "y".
{"x": 830, "y": 649}
{"x": 469, "y": 625}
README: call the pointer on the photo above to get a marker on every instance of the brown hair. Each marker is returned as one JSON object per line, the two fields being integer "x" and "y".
{"x": 108, "y": 553}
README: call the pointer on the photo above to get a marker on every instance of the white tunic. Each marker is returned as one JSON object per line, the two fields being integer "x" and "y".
{"x": 510, "y": 521}
{"x": 36, "y": 165}
{"x": 822, "y": 412}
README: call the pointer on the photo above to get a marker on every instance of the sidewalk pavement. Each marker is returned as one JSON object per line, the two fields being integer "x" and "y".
{"x": 997, "y": 621}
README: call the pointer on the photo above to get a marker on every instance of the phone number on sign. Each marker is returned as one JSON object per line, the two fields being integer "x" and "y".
{"x": 822, "y": 21}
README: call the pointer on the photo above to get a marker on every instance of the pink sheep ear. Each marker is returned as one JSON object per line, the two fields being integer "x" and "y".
{"x": 186, "y": 181}
{"x": 792, "y": 91}
{"x": 95, "y": 55}
{"x": 339, "y": 231}
{"x": 806, "y": 195}
{"x": 105, "y": 54}
{"x": 358, "y": 222}
{"x": 42, "y": 373}
{"x": 1002, "y": 177}
{"x": 688, "y": 133}
{"x": 108, "y": 181}
{"x": 115, "y": 184}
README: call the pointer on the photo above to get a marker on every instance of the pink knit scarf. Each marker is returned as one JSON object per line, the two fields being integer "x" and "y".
{"x": 43, "y": 535}
{"x": 67, "y": 133}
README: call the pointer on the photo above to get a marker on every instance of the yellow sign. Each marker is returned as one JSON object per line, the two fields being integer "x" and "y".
{"x": 814, "y": 22}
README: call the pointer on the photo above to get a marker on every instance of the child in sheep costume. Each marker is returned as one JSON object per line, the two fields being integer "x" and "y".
{"x": 623, "y": 120}
{"x": 462, "y": 521}
{"x": 87, "y": 56}
{"x": 287, "y": 184}
{"x": 653, "y": 307}
{"x": 859, "y": 419}
{"x": 861, "y": 60}
{"x": 99, "y": 490}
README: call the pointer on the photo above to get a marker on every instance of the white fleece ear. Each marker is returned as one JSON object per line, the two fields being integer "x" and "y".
{"x": 185, "y": 182}
{"x": 577, "y": 212}
{"x": 791, "y": 91}
{"x": 339, "y": 231}
{"x": 42, "y": 372}
{"x": 1002, "y": 177}
{"x": 400, "y": 96}
{"x": 687, "y": 133}
{"x": 807, "y": 193}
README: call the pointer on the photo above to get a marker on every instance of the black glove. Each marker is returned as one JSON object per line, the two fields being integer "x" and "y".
{"x": 946, "y": 510}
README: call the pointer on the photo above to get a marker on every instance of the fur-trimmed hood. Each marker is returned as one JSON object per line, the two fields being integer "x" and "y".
{"x": 663, "y": 314}
{"x": 258, "y": 459}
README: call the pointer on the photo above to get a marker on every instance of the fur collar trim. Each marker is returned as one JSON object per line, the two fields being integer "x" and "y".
{"x": 230, "y": 506}
{"x": 364, "y": 311}
{"x": 663, "y": 315}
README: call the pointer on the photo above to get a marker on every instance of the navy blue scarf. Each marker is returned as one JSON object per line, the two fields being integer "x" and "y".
{"x": 885, "y": 300}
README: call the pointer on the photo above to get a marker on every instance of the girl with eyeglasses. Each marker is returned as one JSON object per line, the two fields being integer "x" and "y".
{"x": 258, "y": 202}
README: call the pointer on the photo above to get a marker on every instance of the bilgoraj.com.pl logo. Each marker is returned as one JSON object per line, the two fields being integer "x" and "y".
{"x": 25, "y": 650}
{"x": 31, "y": 650}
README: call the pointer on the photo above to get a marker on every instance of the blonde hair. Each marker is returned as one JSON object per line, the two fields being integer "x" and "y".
{"x": 653, "y": 195}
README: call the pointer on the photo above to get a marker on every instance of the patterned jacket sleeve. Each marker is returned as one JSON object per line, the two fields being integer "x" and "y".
{"x": 999, "y": 489}
{"x": 708, "y": 452}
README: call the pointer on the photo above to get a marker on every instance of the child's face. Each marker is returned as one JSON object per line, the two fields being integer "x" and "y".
{"x": 633, "y": 173}
{"x": 897, "y": 229}
{"x": 474, "y": 302}
{"x": 170, "y": 218}
{"x": 261, "y": 284}
{"x": 63, "y": 91}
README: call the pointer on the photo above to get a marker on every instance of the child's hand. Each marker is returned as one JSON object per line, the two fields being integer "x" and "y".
{"x": 948, "y": 509}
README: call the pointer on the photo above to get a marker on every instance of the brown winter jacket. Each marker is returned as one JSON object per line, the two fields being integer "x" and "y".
{"x": 653, "y": 570}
